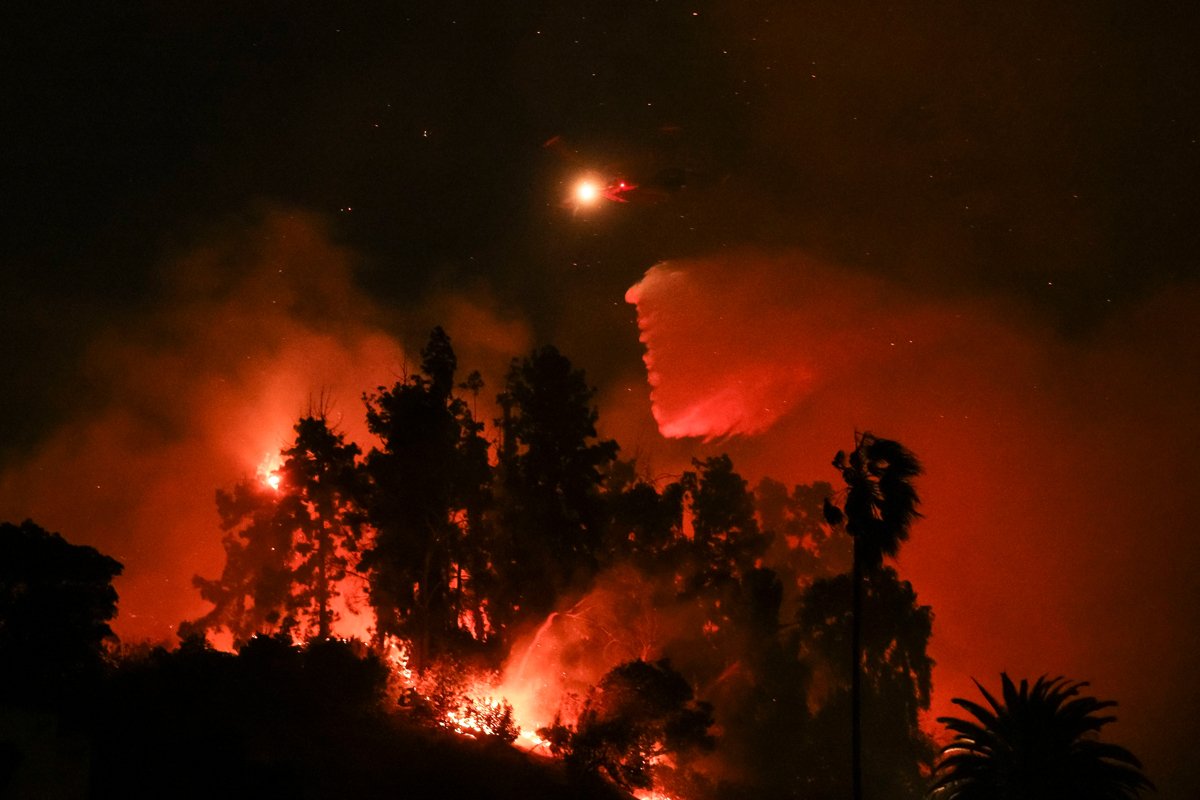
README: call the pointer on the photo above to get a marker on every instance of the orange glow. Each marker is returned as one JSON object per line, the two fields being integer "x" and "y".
{"x": 587, "y": 192}
{"x": 479, "y": 716}
{"x": 397, "y": 652}
{"x": 529, "y": 740}
{"x": 269, "y": 466}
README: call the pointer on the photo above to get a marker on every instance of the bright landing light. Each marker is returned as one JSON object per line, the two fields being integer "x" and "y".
{"x": 586, "y": 192}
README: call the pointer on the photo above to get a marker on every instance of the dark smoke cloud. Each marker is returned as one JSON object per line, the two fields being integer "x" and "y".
{"x": 1058, "y": 536}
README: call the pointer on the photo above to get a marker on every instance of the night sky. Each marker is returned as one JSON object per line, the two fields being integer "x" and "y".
{"x": 973, "y": 230}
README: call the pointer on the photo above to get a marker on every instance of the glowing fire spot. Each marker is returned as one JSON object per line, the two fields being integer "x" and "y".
{"x": 531, "y": 740}
{"x": 396, "y": 653}
{"x": 477, "y": 716}
{"x": 268, "y": 470}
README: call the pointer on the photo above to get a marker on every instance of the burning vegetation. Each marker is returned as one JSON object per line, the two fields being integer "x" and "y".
{"x": 685, "y": 638}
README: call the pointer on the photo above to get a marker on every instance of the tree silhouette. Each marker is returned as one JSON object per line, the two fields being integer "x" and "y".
{"x": 322, "y": 494}
{"x": 805, "y": 546}
{"x": 879, "y": 508}
{"x": 739, "y": 599}
{"x": 726, "y": 533}
{"x": 287, "y": 547}
{"x": 252, "y": 594}
{"x": 895, "y": 679}
{"x": 430, "y": 488}
{"x": 1039, "y": 743}
{"x": 56, "y": 600}
{"x": 552, "y": 466}
{"x": 637, "y": 714}
{"x": 643, "y": 523}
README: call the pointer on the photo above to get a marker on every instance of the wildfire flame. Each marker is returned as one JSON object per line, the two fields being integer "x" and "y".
{"x": 268, "y": 470}
{"x": 544, "y": 684}
{"x": 533, "y": 692}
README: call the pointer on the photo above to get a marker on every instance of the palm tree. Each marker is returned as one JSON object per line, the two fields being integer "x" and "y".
{"x": 880, "y": 507}
{"x": 1040, "y": 743}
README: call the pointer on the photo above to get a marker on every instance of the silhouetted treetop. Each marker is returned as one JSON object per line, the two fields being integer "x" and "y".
{"x": 805, "y": 545}
{"x": 252, "y": 594}
{"x": 551, "y": 422}
{"x": 551, "y": 466}
{"x": 439, "y": 362}
{"x": 430, "y": 484}
{"x": 322, "y": 492}
{"x": 881, "y": 502}
{"x": 643, "y": 522}
{"x": 56, "y": 600}
{"x": 1036, "y": 742}
{"x": 288, "y": 545}
{"x": 639, "y": 713}
{"x": 723, "y": 520}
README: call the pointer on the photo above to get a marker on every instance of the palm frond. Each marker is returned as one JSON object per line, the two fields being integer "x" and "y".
{"x": 881, "y": 502}
{"x": 1035, "y": 741}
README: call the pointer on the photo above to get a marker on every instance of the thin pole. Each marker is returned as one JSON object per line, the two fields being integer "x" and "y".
{"x": 856, "y": 678}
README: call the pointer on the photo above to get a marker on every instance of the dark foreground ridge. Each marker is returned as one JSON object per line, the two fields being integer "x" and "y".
{"x": 271, "y": 722}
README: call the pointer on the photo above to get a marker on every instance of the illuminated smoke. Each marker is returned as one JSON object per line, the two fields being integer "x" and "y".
{"x": 1057, "y": 534}
{"x": 258, "y": 326}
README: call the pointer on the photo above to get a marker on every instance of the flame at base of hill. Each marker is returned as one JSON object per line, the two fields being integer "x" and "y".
{"x": 545, "y": 683}
{"x": 551, "y": 674}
